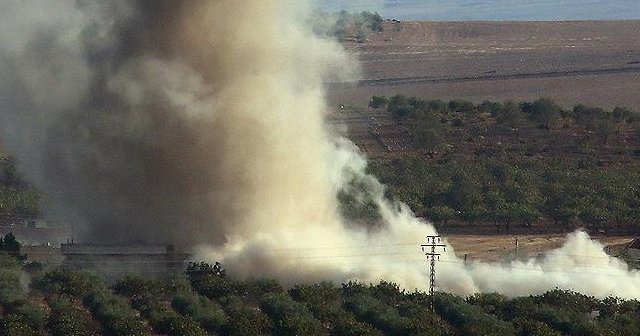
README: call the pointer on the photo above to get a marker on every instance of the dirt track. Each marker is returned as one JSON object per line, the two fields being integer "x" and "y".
{"x": 592, "y": 62}
{"x": 585, "y": 61}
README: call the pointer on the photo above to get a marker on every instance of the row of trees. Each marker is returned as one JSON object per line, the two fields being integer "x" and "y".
{"x": 432, "y": 119}
{"x": 498, "y": 162}
{"x": 514, "y": 192}
{"x": 80, "y": 303}
{"x": 544, "y": 111}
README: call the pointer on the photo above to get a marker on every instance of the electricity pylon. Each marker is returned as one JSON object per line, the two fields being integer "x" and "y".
{"x": 429, "y": 250}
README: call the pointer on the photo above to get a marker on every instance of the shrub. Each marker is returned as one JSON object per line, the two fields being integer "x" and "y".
{"x": 167, "y": 321}
{"x": 67, "y": 319}
{"x": 461, "y": 106}
{"x": 115, "y": 314}
{"x": 399, "y": 106}
{"x": 469, "y": 319}
{"x": 72, "y": 283}
{"x": 244, "y": 319}
{"x": 290, "y": 317}
{"x": 377, "y": 102}
{"x": 16, "y": 325}
{"x": 207, "y": 312}
{"x": 382, "y": 316}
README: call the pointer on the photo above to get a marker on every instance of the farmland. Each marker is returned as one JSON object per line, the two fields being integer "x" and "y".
{"x": 581, "y": 62}
{"x": 590, "y": 62}
{"x": 202, "y": 301}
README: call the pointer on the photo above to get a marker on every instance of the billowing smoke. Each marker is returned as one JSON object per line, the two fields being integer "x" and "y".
{"x": 167, "y": 121}
{"x": 201, "y": 123}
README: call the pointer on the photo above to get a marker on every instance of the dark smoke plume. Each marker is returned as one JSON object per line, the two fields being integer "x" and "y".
{"x": 118, "y": 111}
{"x": 201, "y": 123}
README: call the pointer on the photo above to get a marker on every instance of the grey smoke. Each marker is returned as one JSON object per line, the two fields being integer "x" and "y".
{"x": 202, "y": 123}
{"x": 122, "y": 112}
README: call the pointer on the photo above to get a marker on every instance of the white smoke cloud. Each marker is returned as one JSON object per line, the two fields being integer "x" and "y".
{"x": 202, "y": 123}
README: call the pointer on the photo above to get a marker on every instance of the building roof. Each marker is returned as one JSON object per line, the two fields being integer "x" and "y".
{"x": 88, "y": 249}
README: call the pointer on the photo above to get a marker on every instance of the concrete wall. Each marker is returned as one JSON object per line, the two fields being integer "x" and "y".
{"x": 115, "y": 262}
{"x": 38, "y": 235}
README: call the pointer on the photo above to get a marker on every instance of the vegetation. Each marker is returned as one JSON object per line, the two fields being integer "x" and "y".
{"x": 18, "y": 200}
{"x": 346, "y": 26}
{"x": 10, "y": 245}
{"x": 515, "y": 163}
{"x": 20, "y": 315}
{"x": 64, "y": 303}
{"x": 68, "y": 319}
{"x": 114, "y": 314}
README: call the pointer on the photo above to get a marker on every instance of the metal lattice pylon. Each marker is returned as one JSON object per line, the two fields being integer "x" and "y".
{"x": 429, "y": 250}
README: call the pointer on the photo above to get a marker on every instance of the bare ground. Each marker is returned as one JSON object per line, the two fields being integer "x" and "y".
{"x": 496, "y": 248}
{"x": 593, "y": 62}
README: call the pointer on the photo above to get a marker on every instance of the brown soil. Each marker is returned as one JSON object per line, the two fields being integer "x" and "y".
{"x": 496, "y": 248}
{"x": 593, "y": 62}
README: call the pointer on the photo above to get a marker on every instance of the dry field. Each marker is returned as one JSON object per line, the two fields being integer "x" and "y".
{"x": 497, "y": 248}
{"x": 595, "y": 62}
{"x": 591, "y": 62}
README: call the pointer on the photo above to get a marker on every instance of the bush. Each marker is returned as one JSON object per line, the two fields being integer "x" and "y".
{"x": 11, "y": 292}
{"x": 72, "y": 283}
{"x": 67, "y": 319}
{"x": 324, "y": 300}
{"x": 527, "y": 327}
{"x": 290, "y": 317}
{"x": 545, "y": 111}
{"x": 166, "y": 321}
{"x": 206, "y": 312}
{"x": 399, "y": 106}
{"x": 348, "y": 325}
{"x": 148, "y": 297}
{"x": 245, "y": 319}
{"x": 377, "y": 102}
{"x": 209, "y": 280}
{"x": 140, "y": 290}
{"x": 16, "y": 325}
{"x": 373, "y": 311}
{"x": 115, "y": 314}
{"x": 461, "y": 106}
{"x": 469, "y": 319}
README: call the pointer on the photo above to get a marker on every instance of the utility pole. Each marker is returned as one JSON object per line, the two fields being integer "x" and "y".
{"x": 429, "y": 250}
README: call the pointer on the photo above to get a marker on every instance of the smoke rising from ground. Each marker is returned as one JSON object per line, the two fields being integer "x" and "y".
{"x": 201, "y": 123}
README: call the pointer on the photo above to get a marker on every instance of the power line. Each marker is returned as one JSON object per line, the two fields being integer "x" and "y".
{"x": 433, "y": 242}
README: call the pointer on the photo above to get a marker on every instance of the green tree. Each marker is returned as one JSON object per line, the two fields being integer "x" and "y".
{"x": 9, "y": 244}
{"x": 399, "y": 106}
{"x": 428, "y": 131}
{"x": 545, "y": 111}
{"x": 377, "y": 102}
{"x": 508, "y": 114}
{"x": 373, "y": 21}
{"x": 587, "y": 116}
{"x": 442, "y": 214}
